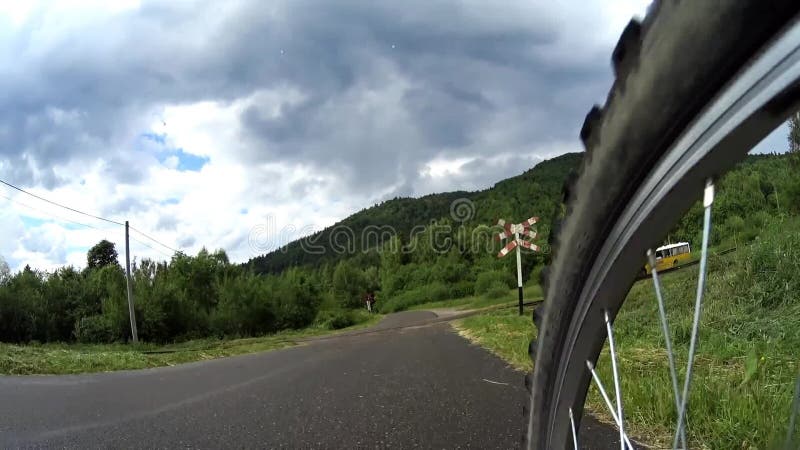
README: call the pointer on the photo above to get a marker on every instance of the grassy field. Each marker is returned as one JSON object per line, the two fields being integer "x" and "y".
{"x": 747, "y": 357}
{"x": 81, "y": 358}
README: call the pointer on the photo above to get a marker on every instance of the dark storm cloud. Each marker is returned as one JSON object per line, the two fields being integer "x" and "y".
{"x": 386, "y": 85}
{"x": 460, "y": 77}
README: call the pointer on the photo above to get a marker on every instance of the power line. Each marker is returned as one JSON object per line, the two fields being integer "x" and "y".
{"x": 89, "y": 215}
{"x": 154, "y": 239}
{"x": 48, "y": 213}
{"x": 60, "y": 205}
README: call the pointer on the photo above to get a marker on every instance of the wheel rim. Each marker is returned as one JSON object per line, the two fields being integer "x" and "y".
{"x": 751, "y": 106}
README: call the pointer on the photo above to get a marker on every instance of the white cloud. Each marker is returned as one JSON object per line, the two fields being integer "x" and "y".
{"x": 303, "y": 115}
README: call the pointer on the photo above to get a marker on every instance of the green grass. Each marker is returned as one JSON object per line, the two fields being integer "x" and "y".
{"x": 503, "y": 332}
{"x": 81, "y": 358}
{"x": 747, "y": 358}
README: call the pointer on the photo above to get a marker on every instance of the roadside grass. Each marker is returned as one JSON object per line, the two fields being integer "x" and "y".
{"x": 503, "y": 332}
{"x": 747, "y": 357}
{"x": 57, "y": 359}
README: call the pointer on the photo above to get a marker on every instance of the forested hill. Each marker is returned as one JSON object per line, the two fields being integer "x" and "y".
{"x": 533, "y": 192}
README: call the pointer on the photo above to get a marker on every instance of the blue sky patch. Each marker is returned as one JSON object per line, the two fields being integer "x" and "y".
{"x": 32, "y": 222}
{"x": 187, "y": 162}
{"x": 175, "y": 158}
{"x": 156, "y": 137}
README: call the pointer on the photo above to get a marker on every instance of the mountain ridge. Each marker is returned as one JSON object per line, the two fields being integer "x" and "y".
{"x": 536, "y": 189}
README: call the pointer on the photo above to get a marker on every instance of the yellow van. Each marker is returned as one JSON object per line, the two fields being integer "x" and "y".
{"x": 669, "y": 256}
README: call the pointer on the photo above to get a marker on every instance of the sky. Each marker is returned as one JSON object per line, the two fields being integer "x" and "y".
{"x": 244, "y": 124}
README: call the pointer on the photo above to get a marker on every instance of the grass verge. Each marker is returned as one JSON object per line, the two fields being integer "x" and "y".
{"x": 83, "y": 358}
{"x": 503, "y": 332}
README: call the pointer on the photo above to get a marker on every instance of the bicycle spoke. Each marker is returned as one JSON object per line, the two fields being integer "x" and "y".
{"x": 708, "y": 200}
{"x": 665, "y": 328}
{"x": 574, "y": 435}
{"x": 617, "y": 388}
{"x": 603, "y": 393}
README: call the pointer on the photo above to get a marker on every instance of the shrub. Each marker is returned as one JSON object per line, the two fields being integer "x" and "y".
{"x": 244, "y": 308}
{"x": 430, "y": 293}
{"x": 336, "y": 319}
{"x": 486, "y": 280}
{"x": 349, "y": 284}
{"x": 94, "y": 329}
{"x": 461, "y": 289}
{"x": 496, "y": 290}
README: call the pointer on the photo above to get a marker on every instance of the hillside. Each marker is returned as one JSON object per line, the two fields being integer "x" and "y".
{"x": 432, "y": 257}
{"x": 533, "y": 192}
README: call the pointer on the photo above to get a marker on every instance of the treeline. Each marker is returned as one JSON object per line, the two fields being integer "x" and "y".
{"x": 449, "y": 257}
{"x": 188, "y": 297}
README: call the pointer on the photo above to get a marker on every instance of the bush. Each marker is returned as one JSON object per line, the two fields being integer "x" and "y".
{"x": 461, "y": 289}
{"x": 349, "y": 285}
{"x": 496, "y": 290}
{"x": 336, "y": 319}
{"x": 244, "y": 308}
{"x": 431, "y": 293}
{"x": 486, "y": 280}
{"x": 94, "y": 329}
{"x": 295, "y": 302}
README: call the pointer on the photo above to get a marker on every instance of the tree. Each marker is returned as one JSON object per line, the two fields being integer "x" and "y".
{"x": 794, "y": 133}
{"x": 101, "y": 255}
{"x": 5, "y": 272}
{"x": 349, "y": 284}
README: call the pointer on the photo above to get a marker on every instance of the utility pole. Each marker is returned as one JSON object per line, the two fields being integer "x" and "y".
{"x": 516, "y": 230}
{"x": 128, "y": 280}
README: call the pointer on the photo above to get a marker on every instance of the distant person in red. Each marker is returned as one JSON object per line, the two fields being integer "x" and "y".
{"x": 369, "y": 298}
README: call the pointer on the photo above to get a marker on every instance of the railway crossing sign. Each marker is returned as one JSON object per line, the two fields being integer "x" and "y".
{"x": 517, "y": 231}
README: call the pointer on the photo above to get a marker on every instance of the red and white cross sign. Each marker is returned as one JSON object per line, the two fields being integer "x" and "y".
{"x": 517, "y": 232}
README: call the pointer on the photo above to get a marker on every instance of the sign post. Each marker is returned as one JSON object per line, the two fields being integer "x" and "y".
{"x": 517, "y": 230}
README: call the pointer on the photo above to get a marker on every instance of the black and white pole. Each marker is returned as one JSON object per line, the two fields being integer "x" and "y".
{"x": 128, "y": 282}
{"x": 517, "y": 230}
{"x": 519, "y": 273}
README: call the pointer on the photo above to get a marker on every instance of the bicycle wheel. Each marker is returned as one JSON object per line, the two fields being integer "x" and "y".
{"x": 697, "y": 85}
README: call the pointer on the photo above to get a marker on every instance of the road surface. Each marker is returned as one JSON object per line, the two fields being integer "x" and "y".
{"x": 415, "y": 387}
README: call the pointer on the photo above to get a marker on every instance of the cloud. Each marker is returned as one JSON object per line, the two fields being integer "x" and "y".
{"x": 200, "y": 121}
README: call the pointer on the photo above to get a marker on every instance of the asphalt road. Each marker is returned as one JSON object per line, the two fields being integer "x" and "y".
{"x": 411, "y": 387}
